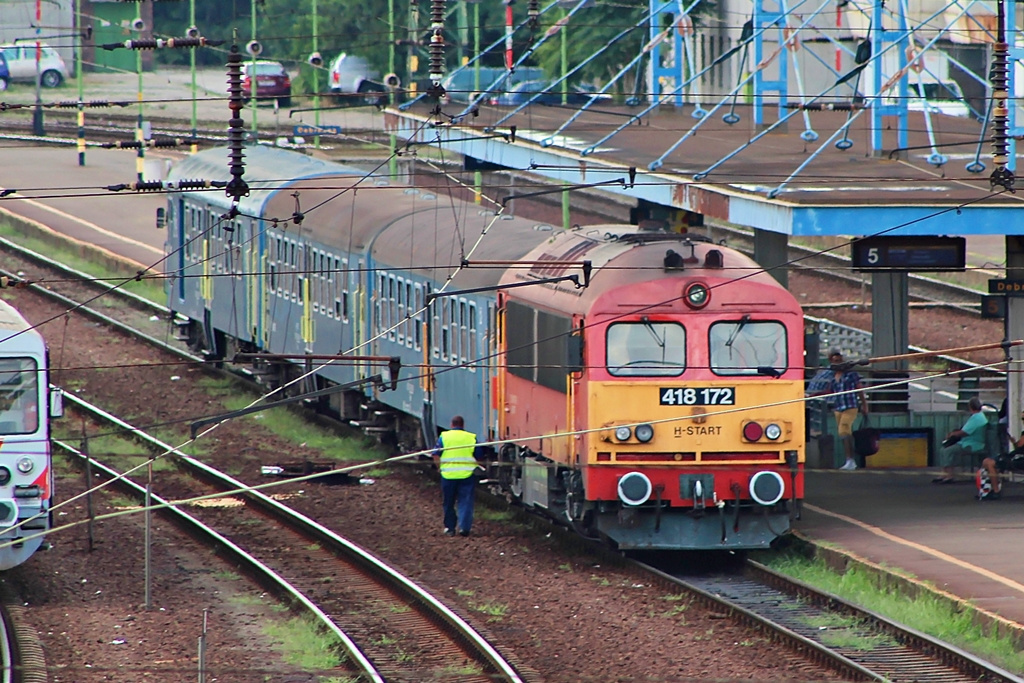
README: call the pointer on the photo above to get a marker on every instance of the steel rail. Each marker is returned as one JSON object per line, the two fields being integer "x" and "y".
{"x": 48, "y": 262}
{"x": 803, "y": 643}
{"x": 787, "y": 608}
{"x": 11, "y": 664}
{"x": 122, "y": 327}
{"x": 260, "y": 572}
{"x": 436, "y": 611}
{"x": 972, "y": 666}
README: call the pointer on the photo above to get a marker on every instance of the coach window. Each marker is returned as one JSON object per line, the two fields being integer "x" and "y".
{"x": 463, "y": 332}
{"x": 392, "y": 308}
{"x": 400, "y": 308}
{"x": 646, "y": 349}
{"x": 740, "y": 347}
{"x": 275, "y": 265}
{"x": 19, "y": 396}
{"x": 445, "y": 317}
{"x": 455, "y": 351}
{"x": 409, "y": 322}
{"x": 417, "y": 321}
{"x": 382, "y": 283}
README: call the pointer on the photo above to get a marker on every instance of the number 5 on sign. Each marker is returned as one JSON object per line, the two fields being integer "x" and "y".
{"x": 993, "y": 306}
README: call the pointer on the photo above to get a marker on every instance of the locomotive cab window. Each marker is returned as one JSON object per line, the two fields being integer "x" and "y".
{"x": 743, "y": 346}
{"x": 646, "y": 349}
{"x": 19, "y": 396}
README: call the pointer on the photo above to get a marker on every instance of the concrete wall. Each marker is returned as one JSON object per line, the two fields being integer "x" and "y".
{"x": 18, "y": 20}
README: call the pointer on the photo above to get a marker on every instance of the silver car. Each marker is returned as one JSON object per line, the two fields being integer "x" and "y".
{"x": 346, "y": 72}
{"x": 21, "y": 60}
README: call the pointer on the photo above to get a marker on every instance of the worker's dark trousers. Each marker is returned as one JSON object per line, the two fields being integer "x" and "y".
{"x": 457, "y": 494}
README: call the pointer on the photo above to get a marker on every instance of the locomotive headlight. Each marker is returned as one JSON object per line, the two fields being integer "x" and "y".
{"x": 5, "y": 476}
{"x": 772, "y": 432}
{"x": 623, "y": 433}
{"x": 635, "y": 488}
{"x": 696, "y": 295}
{"x": 644, "y": 433}
{"x": 25, "y": 465}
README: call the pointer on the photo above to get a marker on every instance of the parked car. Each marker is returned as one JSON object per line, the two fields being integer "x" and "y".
{"x": 461, "y": 85}
{"x": 272, "y": 82}
{"x": 21, "y": 61}
{"x": 348, "y": 71}
{"x": 520, "y": 93}
{"x": 5, "y": 73}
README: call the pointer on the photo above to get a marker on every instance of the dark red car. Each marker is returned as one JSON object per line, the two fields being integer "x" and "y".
{"x": 272, "y": 82}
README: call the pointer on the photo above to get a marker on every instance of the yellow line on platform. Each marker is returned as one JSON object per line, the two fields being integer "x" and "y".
{"x": 1009, "y": 583}
{"x": 90, "y": 225}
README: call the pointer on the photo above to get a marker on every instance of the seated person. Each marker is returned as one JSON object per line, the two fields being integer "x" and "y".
{"x": 969, "y": 441}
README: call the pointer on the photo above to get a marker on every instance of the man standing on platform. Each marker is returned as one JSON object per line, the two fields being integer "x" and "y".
{"x": 847, "y": 399}
{"x": 455, "y": 456}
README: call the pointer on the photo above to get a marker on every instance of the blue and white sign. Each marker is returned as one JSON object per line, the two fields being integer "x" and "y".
{"x": 304, "y": 130}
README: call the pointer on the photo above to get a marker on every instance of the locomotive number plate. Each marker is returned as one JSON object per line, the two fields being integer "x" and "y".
{"x": 697, "y": 396}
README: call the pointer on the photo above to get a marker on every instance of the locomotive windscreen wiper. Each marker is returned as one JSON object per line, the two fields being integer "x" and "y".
{"x": 735, "y": 333}
{"x": 654, "y": 333}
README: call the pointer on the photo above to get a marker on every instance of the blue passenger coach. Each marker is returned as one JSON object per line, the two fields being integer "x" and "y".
{"x": 320, "y": 259}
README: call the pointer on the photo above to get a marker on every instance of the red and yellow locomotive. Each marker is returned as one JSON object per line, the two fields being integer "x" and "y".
{"x": 660, "y": 407}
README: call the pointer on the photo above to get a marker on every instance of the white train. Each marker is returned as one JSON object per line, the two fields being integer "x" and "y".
{"x": 26, "y": 406}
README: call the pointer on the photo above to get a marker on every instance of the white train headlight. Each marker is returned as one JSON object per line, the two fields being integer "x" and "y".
{"x": 644, "y": 433}
{"x": 767, "y": 487}
{"x": 635, "y": 488}
{"x": 772, "y": 432}
{"x": 25, "y": 465}
{"x": 623, "y": 433}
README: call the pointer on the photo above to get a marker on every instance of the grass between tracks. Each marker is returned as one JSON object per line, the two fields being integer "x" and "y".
{"x": 927, "y": 613}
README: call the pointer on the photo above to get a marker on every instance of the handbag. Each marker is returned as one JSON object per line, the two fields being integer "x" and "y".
{"x": 949, "y": 441}
{"x": 866, "y": 439}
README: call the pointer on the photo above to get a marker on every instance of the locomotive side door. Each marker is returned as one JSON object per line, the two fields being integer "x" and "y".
{"x": 576, "y": 389}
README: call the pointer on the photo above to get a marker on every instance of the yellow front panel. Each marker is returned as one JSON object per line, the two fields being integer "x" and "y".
{"x": 704, "y": 423}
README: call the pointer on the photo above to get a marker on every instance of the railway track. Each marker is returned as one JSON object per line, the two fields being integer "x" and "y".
{"x": 850, "y": 665}
{"x": 390, "y": 628}
{"x": 860, "y": 644}
{"x": 440, "y": 635}
{"x": 62, "y": 129}
{"x": 21, "y": 658}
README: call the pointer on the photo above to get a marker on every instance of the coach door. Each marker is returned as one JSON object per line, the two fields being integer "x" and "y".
{"x": 179, "y": 248}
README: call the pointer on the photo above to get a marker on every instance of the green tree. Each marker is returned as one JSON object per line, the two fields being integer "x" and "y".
{"x": 590, "y": 29}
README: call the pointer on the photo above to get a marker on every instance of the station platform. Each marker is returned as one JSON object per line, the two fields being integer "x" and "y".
{"x": 938, "y": 534}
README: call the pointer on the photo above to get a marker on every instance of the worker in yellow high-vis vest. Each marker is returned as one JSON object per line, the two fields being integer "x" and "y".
{"x": 456, "y": 457}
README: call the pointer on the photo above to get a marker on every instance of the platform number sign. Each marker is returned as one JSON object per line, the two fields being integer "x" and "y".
{"x": 924, "y": 254}
{"x": 993, "y": 306}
